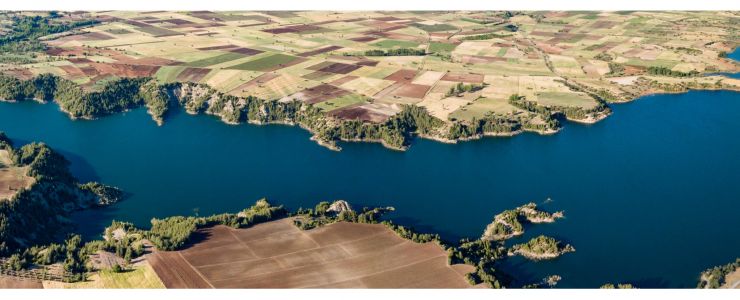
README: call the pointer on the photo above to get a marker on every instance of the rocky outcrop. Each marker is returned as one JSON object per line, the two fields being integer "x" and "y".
{"x": 339, "y": 206}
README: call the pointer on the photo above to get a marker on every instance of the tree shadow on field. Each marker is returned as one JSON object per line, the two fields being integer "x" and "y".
{"x": 197, "y": 237}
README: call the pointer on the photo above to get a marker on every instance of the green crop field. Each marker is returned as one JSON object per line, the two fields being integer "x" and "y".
{"x": 395, "y": 44}
{"x": 340, "y": 102}
{"x": 435, "y": 27}
{"x": 265, "y": 63}
{"x": 436, "y": 47}
{"x": 229, "y": 56}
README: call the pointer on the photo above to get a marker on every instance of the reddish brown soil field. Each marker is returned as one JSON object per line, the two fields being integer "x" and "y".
{"x": 412, "y": 90}
{"x": 359, "y": 113}
{"x": 124, "y": 70}
{"x": 279, "y": 255}
{"x": 320, "y": 93}
{"x": 292, "y": 29}
{"x": 193, "y": 74}
{"x": 364, "y": 39}
{"x": 175, "y": 272}
{"x": 467, "y": 78}
{"x": 405, "y": 76}
{"x": 246, "y": 51}
{"x": 319, "y": 51}
{"x": 7, "y": 282}
{"x": 339, "y": 68}
{"x": 72, "y": 71}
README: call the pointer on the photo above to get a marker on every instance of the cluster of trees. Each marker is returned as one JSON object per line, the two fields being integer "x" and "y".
{"x": 543, "y": 245}
{"x": 396, "y": 52}
{"x": 687, "y": 50}
{"x": 173, "y": 233}
{"x": 663, "y": 71}
{"x": 396, "y": 132}
{"x": 615, "y": 69}
{"x": 71, "y": 253}
{"x": 320, "y": 216}
{"x": 115, "y": 96}
{"x": 483, "y": 255}
{"x": 484, "y": 36}
{"x": 715, "y": 277}
{"x": 492, "y": 123}
{"x": 25, "y": 31}
{"x": 618, "y": 286}
{"x": 33, "y": 220}
{"x": 506, "y": 223}
{"x": 107, "y": 195}
{"x": 128, "y": 93}
{"x": 41, "y": 87}
{"x": 460, "y": 88}
{"x": 550, "y": 114}
{"x": 604, "y": 56}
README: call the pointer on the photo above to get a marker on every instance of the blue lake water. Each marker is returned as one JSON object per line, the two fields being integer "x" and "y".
{"x": 651, "y": 194}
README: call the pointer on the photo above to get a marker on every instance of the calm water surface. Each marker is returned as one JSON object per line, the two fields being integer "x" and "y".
{"x": 651, "y": 194}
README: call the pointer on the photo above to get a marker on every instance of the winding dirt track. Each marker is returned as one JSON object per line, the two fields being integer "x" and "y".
{"x": 279, "y": 255}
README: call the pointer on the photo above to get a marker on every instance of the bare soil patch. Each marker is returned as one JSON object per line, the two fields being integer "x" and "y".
{"x": 460, "y": 77}
{"x": 319, "y": 51}
{"x": 412, "y": 90}
{"x": 339, "y": 68}
{"x": 404, "y": 76}
{"x": 12, "y": 179}
{"x": 10, "y": 282}
{"x": 279, "y": 255}
{"x": 193, "y": 74}
{"x": 320, "y": 93}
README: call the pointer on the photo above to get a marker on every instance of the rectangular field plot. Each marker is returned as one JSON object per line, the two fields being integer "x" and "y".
{"x": 566, "y": 99}
{"x": 279, "y": 255}
{"x": 340, "y": 102}
{"x": 268, "y": 63}
{"x": 221, "y": 58}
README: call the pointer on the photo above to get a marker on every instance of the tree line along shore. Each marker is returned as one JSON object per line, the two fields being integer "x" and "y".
{"x": 395, "y": 133}
{"x": 31, "y": 36}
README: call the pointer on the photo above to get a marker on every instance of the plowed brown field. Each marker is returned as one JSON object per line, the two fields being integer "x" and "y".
{"x": 279, "y": 255}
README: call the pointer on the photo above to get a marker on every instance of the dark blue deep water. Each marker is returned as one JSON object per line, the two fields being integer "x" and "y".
{"x": 651, "y": 194}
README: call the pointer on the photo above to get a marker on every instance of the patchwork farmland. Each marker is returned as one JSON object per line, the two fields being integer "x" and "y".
{"x": 279, "y": 255}
{"x": 367, "y": 65}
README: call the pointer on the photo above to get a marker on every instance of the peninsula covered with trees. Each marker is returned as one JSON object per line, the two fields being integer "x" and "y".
{"x": 34, "y": 224}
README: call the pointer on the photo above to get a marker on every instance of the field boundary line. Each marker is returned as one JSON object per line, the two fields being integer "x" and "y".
{"x": 231, "y": 232}
{"x": 339, "y": 260}
{"x": 374, "y": 273}
{"x": 196, "y": 270}
{"x": 295, "y": 252}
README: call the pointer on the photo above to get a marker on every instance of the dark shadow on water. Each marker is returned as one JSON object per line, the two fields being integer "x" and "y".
{"x": 79, "y": 166}
{"x": 515, "y": 270}
{"x": 654, "y": 283}
{"x": 416, "y": 225}
{"x": 91, "y": 223}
